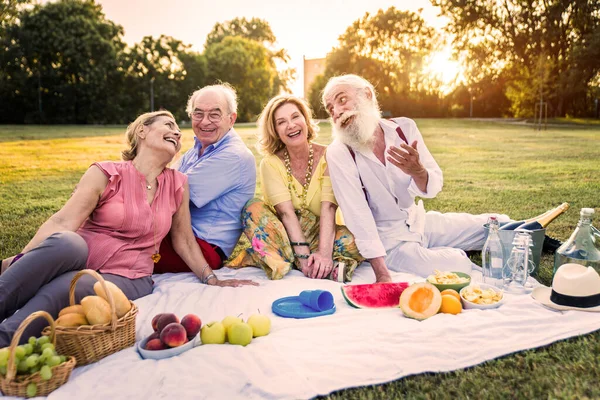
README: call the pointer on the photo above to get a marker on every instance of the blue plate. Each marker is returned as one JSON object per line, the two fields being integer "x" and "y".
{"x": 166, "y": 353}
{"x": 291, "y": 307}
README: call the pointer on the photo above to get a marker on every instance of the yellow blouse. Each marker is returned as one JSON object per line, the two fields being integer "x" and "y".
{"x": 274, "y": 178}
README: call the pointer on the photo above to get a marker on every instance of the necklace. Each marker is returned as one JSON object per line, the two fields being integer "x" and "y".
{"x": 309, "y": 172}
{"x": 147, "y": 185}
{"x": 156, "y": 256}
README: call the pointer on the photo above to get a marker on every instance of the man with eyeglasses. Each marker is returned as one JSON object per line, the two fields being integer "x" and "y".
{"x": 221, "y": 173}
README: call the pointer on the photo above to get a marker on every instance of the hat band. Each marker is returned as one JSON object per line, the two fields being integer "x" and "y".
{"x": 575, "y": 301}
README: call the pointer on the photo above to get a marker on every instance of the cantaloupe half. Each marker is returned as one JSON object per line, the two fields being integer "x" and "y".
{"x": 420, "y": 301}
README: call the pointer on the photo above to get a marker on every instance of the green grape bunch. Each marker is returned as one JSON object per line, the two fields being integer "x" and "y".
{"x": 37, "y": 355}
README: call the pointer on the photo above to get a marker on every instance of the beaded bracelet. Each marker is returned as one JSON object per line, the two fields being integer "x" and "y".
{"x": 302, "y": 256}
{"x": 300, "y": 243}
{"x": 209, "y": 277}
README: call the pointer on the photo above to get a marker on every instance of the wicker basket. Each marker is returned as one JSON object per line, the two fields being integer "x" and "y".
{"x": 16, "y": 385}
{"x": 90, "y": 343}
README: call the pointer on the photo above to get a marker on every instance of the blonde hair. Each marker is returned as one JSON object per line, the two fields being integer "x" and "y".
{"x": 135, "y": 127}
{"x": 268, "y": 139}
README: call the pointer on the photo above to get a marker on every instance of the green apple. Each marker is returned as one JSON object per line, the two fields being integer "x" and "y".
{"x": 228, "y": 321}
{"x": 213, "y": 333}
{"x": 261, "y": 325}
{"x": 239, "y": 333}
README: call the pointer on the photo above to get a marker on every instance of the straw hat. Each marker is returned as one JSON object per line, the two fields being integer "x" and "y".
{"x": 574, "y": 287}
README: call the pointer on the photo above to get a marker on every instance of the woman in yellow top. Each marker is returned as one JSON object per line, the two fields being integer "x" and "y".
{"x": 295, "y": 225}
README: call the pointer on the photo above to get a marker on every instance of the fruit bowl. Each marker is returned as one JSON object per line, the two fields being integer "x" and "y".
{"x": 454, "y": 286}
{"x": 483, "y": 286}
{"x": 166, "y": 353}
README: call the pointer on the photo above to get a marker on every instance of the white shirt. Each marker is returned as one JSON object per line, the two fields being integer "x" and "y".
{"x": 390, "y": 216}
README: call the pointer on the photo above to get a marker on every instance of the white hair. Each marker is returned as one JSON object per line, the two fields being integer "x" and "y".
{"x": 354, "y": 81}
{"x": 359, "y": 132}
{"x": 224, "y": 88}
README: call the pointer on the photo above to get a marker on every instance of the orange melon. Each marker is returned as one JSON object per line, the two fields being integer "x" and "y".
{"x": 420, "y": 301}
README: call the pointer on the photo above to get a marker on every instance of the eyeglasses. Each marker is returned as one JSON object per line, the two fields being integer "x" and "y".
{"x": 212, "y": 116}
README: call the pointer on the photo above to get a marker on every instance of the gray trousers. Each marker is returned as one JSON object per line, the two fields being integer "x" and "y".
{"x": 40, "y": 280}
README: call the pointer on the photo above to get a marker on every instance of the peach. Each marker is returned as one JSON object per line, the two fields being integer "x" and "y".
{"x": 155, "y": 344}
{"x": 192, "y": 325}
{"x": 154, "y": 335}
{"x": 173, "y": 335}
{"x": 155, "y": 321}
{"x": 165, "y": 320}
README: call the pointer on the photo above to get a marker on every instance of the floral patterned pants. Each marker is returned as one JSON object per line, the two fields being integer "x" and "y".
{"x": 271, "y": 249}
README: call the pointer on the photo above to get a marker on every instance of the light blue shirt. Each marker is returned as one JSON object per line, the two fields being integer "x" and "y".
{"x": 221, "y": 181}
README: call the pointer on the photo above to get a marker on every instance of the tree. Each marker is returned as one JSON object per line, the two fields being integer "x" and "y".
{"x": 389, "y": 49}
{"x": 196, "y": 74}
{"x": 254, "y": 29}
{"x": 64, "y": 57}
{"x": 158, "y": 73}
{"x": 549, "y": 44}
{"x": 247, "y": 66}
{"x": 9, "y": 11}
{"x": 314, "y": 96}
{"x": 257, "y": 60}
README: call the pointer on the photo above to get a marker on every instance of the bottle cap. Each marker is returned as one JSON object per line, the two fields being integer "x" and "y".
{"x": 586, "y": 212}
{"x": 522, "y": 238}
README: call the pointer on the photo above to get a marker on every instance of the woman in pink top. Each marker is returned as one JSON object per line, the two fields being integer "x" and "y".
{"x": 113, "y": 223}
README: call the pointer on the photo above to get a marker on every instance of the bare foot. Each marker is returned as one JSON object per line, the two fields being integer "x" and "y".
{"x": 5, "y": 264}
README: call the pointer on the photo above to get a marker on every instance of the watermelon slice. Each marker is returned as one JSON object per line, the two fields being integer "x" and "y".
{"x": 374, "y": 295}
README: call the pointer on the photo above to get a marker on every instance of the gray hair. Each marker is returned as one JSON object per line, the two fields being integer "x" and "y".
{"x": 224, "y": 88}
{"x": 354, "y": 81}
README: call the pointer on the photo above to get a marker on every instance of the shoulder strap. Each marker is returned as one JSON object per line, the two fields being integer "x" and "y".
{"x": 399, "y": 132}
{"x": 362, "y": 185}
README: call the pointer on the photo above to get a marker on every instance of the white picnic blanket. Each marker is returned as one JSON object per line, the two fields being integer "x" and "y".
{"x": 309, "y": 357}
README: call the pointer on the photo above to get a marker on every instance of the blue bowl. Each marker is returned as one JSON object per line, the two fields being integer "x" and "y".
{"x": 160, "y": 354}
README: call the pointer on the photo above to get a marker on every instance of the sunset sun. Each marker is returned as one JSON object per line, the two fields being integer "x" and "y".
{"x": 442, "y": 68}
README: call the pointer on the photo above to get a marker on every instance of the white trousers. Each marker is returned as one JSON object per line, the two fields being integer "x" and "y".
{"x": 446, "y": 238}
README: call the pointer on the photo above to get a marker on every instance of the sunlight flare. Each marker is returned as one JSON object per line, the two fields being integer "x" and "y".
{"x": 444, "y": 69}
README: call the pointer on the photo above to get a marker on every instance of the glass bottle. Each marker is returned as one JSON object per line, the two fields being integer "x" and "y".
{"x": 492, "y": 256}
{"x": 596, "y": 236}
{"x": 582, "y": 247}
{"x": 537, "y": 222}
{"x": 519, "y": 265}
{"x": 543, "y": 221}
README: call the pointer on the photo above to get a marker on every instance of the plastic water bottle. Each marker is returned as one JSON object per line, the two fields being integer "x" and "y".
{"x": 519, "y": 265}
{"x": 492, "y": 255}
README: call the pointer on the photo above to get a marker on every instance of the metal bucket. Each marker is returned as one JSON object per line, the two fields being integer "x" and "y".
{"x": 506, "y": 237}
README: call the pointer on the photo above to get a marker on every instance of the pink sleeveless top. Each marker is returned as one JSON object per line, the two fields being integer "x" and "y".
{"x": 123, "y": 230}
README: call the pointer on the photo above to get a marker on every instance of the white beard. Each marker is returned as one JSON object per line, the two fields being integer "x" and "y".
{"x": 359, "y": 132}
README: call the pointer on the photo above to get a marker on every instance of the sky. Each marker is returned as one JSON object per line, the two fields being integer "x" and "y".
{"x": 306, "y": 29}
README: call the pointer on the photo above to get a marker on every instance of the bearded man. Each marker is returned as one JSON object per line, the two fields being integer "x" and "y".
{"x": 377, "y": 169}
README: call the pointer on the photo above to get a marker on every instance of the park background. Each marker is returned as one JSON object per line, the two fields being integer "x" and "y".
{"x": 70, "y": 80}
{"x": 67, "y": 62}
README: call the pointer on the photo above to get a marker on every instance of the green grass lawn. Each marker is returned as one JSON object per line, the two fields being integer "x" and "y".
{"x": 488, "y": 166}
